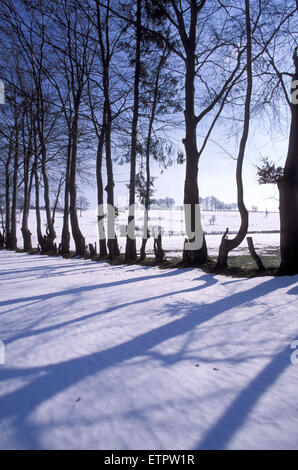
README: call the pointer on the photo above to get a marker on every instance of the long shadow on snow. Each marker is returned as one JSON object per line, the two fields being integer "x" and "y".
{"x": 219, "y": 436}
{"x": 54, "y": 378}
{"x": 207, "y": 279}
{"x": 50, "y": 270}
{"x": 78, "y": 290}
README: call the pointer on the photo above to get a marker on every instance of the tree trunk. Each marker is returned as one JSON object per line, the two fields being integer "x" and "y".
{"x": 37, "y": 210}
{"x": 27, "y": 190}
{"x": 130, "y": 250}
{"x": 2, "y": 241}
{"x": 76, "y": 232}
{"x": 226, "y": 244}
{"x": 191, "y": 189}
{"x": 100, "y": 198}
{"x": 7, "y": 199}
{"x": 26, "y": 233}
{"x": 146, "y": 234}
{"x": 25, "y": 228}
{"x": 106, "y": 55}
{"x": 2, "y": 238}
{"x": 288, "y": 192}
{"x": 112, "y": 242}
{"x": 13, "y": 233}
{"x": 51, "y": 234}
{"x": 196, "y": 256}
{"x": 255, "y": 255}
{"x": 65, "y": 237}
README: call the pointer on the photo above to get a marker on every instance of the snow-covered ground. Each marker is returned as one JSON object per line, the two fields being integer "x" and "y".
{"x": 127, "y": 357}
{"x": 172, "y": 223}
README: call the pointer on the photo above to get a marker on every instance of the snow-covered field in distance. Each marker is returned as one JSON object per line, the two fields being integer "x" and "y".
{"x": 128, "y": 357}
{"x": 172, "y": 223}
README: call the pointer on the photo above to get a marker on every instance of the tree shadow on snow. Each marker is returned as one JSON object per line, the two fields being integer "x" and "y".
{"x": 89, "y": 288}
{"x": 221, "y": 433}
{"x": 44, "y": 382}
{"x": 207, "y": 279}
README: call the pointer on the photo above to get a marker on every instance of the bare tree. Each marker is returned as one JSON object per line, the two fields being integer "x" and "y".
{"x": 288, "y": 189}
{"x": 130, "y": 249}
{"x": 76, "y": 58}
{"x": 229, "y": 244}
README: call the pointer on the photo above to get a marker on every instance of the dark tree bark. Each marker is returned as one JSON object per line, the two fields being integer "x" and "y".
{"x": 37, "y": 194}
{"x": 2, "y": 241}
{"x": 229, "y": 244}
{"x": 27, "y": 183}
{"x": 288, "y": 191}
{"x": 7, "y": 196}
{"x": 100, "y": 132}
{"x": 112, "y": 242}
{"x": 106, "y": 55}
{"x": 76, "y": 232}
{"x": 130, "y": 250}
{"x": 158, "y": 251}
{"x": 25, "y": 227}
{"x": 37, "y": 211}
{"x": 51, "y": 234}
{"x": 191, "y": 189}
{"x": 100, "y": 192}
{"x": 13, "y": 233}
{"x": 254, "y": 254}
{"x": 65, "y": 236}
{"x": 57, "y": 196}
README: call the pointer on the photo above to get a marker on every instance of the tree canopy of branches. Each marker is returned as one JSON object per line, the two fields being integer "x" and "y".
{"x": 94, "y": 84}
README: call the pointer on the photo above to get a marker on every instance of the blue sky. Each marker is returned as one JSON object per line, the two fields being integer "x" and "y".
{"x": 217, "y": 172}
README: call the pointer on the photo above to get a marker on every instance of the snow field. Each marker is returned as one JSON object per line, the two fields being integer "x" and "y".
{"x": 127, "y": 357}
